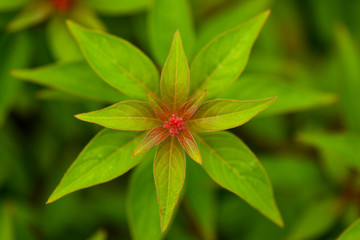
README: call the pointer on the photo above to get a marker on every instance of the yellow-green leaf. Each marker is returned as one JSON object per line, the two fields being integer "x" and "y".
{"x": 231, "y": 164}
{"x": 352, "y": 232}
{"x": 107, "y": 156}
{"x": 169, "y": 173}
{"x": 218, "y": 115}
{"x": 128, "y": 115}
{"x": 221, "y": 61}
{"x": 175, "y": 76}
{"x": 118, "y": 62}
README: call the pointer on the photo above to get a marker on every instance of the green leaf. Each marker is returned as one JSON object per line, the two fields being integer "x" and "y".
{"x": 61, "y": 42}
{"x": 201, "y": 199}
{"x": 342, "y": 146}
{"x": 128, "y": 115}
{"x": 154, "y": 137}
{"x": 165, "y": 18}
{"x": 191, "y": 106}
{"x": 35, "y": 13}
{"x": 6, "y": 222}
{"x": 169, "y": 173}
{"x": 229, "y": 18}
{"x": 221, "y": 61}
{"x": 161, "y": 110}
{"x": 174, "y": 84}
{"x": 188, "y": 143}
{"x": 311, "y": 223}
{"x": 84, "y": 15}
{"x": 107, "y": 156}
{"x": 218, "y": 115}
{"x": 352, "y": 232}
{"x": 118, "y": 7}
{"x": 99, "y": 235}
{"x": 231, "y": 164}
{"x": 142, "y": 204}
{"x": 118, "y": 62}
{"x": 6, "y": 5}
{"x": 291, "y": 97}
{"x": 15, "y": 53}
{"x": 76, "y": 78}
{"x": 349, "y": 62}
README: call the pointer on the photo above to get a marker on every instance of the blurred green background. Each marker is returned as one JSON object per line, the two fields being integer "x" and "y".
{"x": 309, "y": 141}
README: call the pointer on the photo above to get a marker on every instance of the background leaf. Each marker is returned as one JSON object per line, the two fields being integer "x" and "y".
{"x": 291, "y": 97}
{"x": 169, "y": 173}
{"x": 142, "y": 203}
{"x": 16, "y": 52}
{"x": 231, "y": 164}
{"x": 220, "y": 114}
{"x": 74, "y": 77}
{"x": 35, "y": 13}
{"x": 311, "y": 223}
{"x": 61, "y": 42}
{"x": 118, "y": 7}
{"x": 165, "y": 18}
{"x": 349, "y": 61}
{"x": 6, "y": 222}
{"x": 220, "y": 62}
{"x": 343, "y": 146}
{"x": 118, "y": 62}
{"x": 106, "y": 157}
{"x": 229, "y": 18}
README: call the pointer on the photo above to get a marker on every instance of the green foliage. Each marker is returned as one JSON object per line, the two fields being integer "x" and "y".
{"x": 75, "y": 77}
{"x": 353, "y": 232}
{"x": 169, "y": 173}
{"x": 106, "y": 56}
{"x": 90, "y": 55}
{"x": 225, "y": 58}
{"x": 231, "y": 164}
{"x": 102, "y": 160}
{"x": 164, "y": 19}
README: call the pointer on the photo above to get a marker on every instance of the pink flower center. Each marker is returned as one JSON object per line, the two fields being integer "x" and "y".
{"x": 62, "y": 5}
{"x": 175, "y": 124}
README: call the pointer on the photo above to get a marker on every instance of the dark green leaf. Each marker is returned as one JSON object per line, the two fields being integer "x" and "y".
{"x": 165, "y": 18}
{"x": 291, "y": 97}
{"x": 118, "y": 7}
{"x": 231, "y": 164}
{"x": 142, "y": 203}
{"x": 75, "y": 77}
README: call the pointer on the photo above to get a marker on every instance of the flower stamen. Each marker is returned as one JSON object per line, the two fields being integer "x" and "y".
{"x": 174, "y": 124}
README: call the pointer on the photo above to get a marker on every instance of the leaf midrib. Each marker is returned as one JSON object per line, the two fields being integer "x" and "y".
{"x": 102, "y": 161}
{"x": 233, "y": 170}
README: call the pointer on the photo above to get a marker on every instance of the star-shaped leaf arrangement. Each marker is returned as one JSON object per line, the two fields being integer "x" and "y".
{"x": 181, "y": 118}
